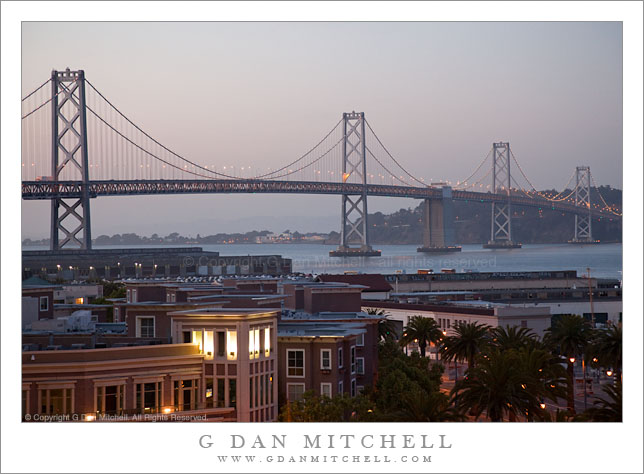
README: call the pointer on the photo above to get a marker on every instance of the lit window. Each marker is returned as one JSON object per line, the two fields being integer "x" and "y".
{"x": 197, "y": 338}
{"x": 209, "y": 344}
{"x": 325, "y": 359}
{"x": 209, "y": 394}
{"x": 256, "y": 336}
{"x": 267, "y": 342}
{"x": 295, "y": 362}
{"x": 231, "y": 345}
{"x": 253, "y": 343}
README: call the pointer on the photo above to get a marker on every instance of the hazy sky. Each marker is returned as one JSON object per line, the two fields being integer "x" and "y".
{"x": 261, "y": 94}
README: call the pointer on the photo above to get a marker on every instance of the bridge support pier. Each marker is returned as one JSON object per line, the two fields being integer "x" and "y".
{"x": 354, "y": 218}
{"x": 438, "y": 224}
{"x": 501, "y": 235}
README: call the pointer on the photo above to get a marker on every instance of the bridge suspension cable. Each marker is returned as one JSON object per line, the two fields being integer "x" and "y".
{"x": 392, "y": 158}
{"x": 387, "y": 169}
{"x": 477, "y": 170}
{"x": 544, "y": 196}
{"x": 290, "y": 172}
{"x": 146, "y": 151}
{"x": 608, "y": 208}
{"x": 156, "y": 141}
{"x": 41, "y": 105}
{"x": 478, "y": 182}
{"x": 36, "y": 90}
{"x": 269, "y": 175}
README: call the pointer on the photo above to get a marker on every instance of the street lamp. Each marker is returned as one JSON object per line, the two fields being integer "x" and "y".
{"x": 583, "y": 371}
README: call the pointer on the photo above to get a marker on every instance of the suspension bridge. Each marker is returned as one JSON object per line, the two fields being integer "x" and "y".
{"x": 77, "y": 145}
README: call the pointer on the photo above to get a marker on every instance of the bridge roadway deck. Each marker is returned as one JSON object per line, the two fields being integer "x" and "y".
{"x": 35, "y": 190}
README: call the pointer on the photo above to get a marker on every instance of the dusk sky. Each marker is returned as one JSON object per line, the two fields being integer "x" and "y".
{"x": 261, "y": 94}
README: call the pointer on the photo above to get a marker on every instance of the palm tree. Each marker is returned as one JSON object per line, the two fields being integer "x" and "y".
{"x": 469, "y": 340}
{"x": 569, "y": 337}
{"x": 498, "y": 386}
{"x": 423, "y": 331}
{"x": 423, "y": 406}
{"x": 512, "y": 337}
{"x": 386, "y": 327}
{"x": 609, "y": 408}
{"x": 607, "y": 348}
{"x": 543, "y": 376}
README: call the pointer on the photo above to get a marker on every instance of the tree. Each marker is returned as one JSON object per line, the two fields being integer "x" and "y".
{"x": 512, "y": 337}
{"x": 421, "y": 406}
{"x": 569, "y": 337}
{"x": 543, "y": 376}
{"x": 493, "y": 386}
{"x": 607, "y": 348}
{"x": 608, "y": 409}
{"x": 408, "y": 387}
{"x": 423, "y": 331}
{"x": 386, "y": 327}
{"x": 468, "y": 341}
{"x": 510, "y": 382}
{"x": 113, "y": 289}
{"x": 316, "y": 408}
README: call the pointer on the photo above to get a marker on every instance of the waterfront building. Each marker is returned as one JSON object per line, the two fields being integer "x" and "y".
{"x": 449, "y": 315}
{"x": 155, "y": 383}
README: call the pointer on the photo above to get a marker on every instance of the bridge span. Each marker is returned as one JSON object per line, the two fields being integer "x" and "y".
{"x": 77, "y": 146}
{"x": 35, "y": 190}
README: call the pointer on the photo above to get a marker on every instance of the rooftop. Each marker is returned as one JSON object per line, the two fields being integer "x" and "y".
{"x": 227, "y": 312}
{"x": 372, "y": 282}
{"x": 327, "y": 316}
{"x": 319, "y": 329}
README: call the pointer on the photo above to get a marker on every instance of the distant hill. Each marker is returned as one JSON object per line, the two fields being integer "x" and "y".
{"x": 471, "y": 222}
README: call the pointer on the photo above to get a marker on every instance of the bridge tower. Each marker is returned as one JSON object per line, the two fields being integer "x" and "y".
{"x": 69, "y": 160}
{"x": 583, "y": 220}
{"x": 354, "y": 218}
{"x": 501, "y": 235}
